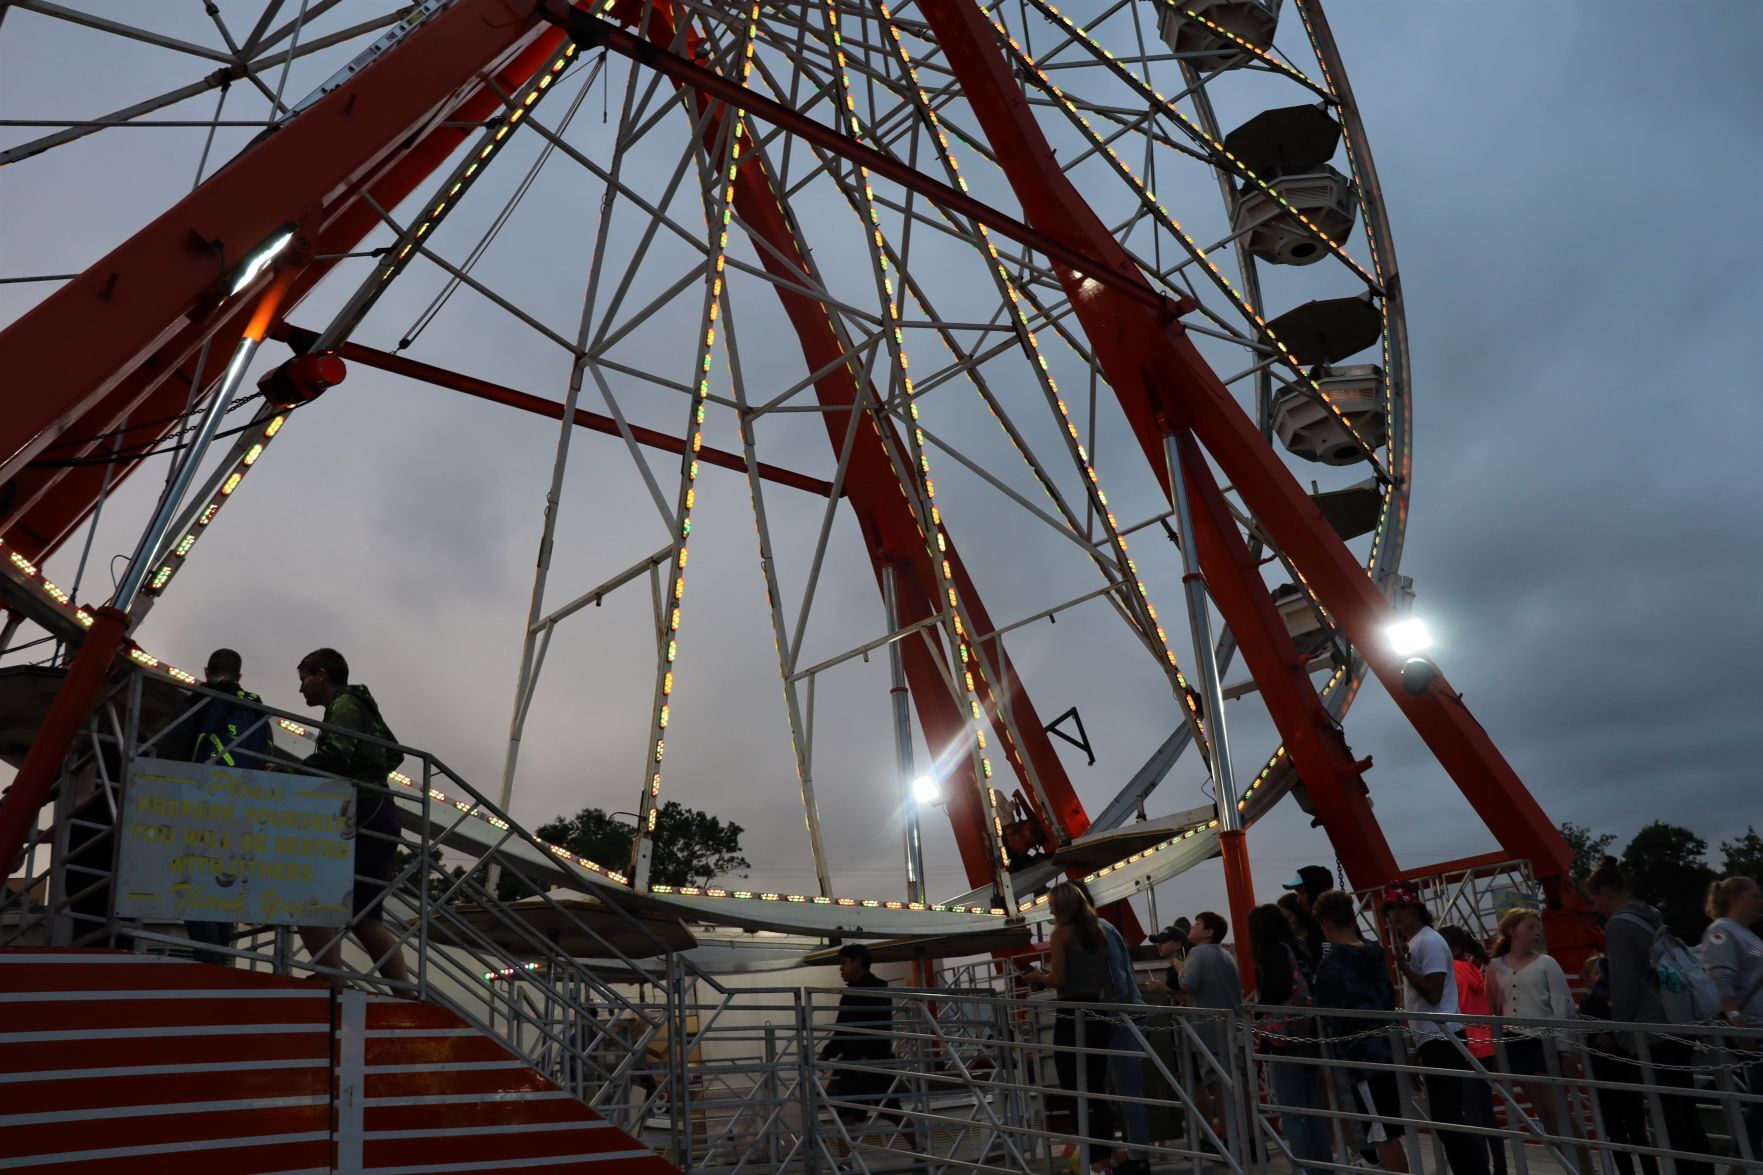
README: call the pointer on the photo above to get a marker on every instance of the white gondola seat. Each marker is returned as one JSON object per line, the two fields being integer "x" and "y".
{"x": 1308, "y": 429}
{"x": 1205, "y": 48}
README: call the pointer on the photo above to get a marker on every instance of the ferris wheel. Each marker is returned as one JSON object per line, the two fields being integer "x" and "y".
{"x": 1030, "y": 358}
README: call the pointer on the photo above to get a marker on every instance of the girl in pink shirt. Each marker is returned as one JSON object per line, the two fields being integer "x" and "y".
{"x": 1472, "y": 1000}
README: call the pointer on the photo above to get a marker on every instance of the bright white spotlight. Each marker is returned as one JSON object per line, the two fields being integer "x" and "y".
{"x": 1409, "y": 637}
{"x": 926, "y": 790}
{"x": 262, "y": 258}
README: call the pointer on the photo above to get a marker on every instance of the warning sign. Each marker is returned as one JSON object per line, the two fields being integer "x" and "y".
{"x": 210, "y": 843}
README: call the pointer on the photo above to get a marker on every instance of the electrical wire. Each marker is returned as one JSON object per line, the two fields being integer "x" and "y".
{"x": 131, "y": 453}
{"x": 489, "y": 237}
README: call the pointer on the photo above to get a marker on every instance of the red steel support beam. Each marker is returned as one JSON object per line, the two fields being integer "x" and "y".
{"x": 49, "y": 746}
{"x": 1239, "y": 889}
{"x": 300, "y": 339}
{"x": 49, "y": 503}
{"x": 1318, "y": 750}
{"x": 1154, "y": 368}
{"x": 86, "y": 338}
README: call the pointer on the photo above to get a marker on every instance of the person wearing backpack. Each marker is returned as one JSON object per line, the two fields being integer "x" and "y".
{"x": 1632, "y": 932}
{"x": 1281, "y": 981}
{"x": 1624, "y": 1110}
{"x": 350, "y": 710}
{"x": 1733, "y": 957}
{"x": 227, "y": 730}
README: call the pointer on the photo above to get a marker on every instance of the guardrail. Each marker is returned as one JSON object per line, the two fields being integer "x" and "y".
{"x": 601, "y": 1006}
{"x": 960, "y": 1077}
{"x": 1663, "y": 1077}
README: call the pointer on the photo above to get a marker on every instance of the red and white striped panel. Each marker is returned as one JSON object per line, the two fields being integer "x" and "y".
{"x": 419, "y": 1090}
{"x": 112, "y": 1061}
{"x": 109, "y": 1059}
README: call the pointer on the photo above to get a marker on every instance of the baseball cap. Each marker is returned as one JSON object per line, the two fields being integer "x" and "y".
{"x": 1171, "y": 934}
{"x": 1313, "y": 877}
{"x": 1401, "y": 894}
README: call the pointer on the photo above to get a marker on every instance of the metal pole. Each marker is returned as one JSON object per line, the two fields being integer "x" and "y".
{"x": 1238, "y": 883}
{"x": 554, "y": 494}
{"x": 1205, "y": 651}
{"x": 85, "y": 676}
{"x": 915, "y": 889}
{"x": 154, "y": 536}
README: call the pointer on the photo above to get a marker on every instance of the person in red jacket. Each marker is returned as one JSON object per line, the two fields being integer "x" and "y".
{"x": 1470, "y": 961}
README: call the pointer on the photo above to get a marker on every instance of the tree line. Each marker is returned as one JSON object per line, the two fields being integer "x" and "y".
{"x": 1669, "y": 866}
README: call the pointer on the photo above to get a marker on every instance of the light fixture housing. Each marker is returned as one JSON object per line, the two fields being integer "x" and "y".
{"x": 1418, "y": 675}
{"x": 261, "y": 257}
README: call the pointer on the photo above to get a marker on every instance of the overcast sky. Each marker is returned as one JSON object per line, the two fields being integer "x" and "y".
{"x": 1570, "y": 187}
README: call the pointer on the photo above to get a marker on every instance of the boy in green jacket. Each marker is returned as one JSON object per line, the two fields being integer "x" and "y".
{"x": 324, "y": 681}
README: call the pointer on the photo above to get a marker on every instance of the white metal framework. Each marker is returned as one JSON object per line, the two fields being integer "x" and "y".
{"x": 590, "y": 242}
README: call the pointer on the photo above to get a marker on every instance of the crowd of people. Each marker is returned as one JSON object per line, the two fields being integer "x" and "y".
{"x": 1311, "y": 962}
{"x": 1488, "y": 1024}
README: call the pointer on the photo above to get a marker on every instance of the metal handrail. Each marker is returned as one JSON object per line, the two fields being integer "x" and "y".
{"x": 730, "y": 1079}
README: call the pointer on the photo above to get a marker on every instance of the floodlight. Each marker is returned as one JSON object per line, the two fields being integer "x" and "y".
{"x": 926, "y": 790}
{"x": 262, "y": 258}
{"x": 1408, "y": 637}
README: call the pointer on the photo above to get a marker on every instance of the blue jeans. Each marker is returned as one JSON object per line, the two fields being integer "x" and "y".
{"x": 1299, "y": 1087}
{"x": 1128, "y": 1076}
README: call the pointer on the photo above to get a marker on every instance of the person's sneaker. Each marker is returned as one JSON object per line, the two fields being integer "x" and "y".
{"x": 1362, "y": 1161}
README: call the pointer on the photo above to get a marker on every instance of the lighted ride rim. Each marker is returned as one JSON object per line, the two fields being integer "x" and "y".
{"x": 725, "y": 202}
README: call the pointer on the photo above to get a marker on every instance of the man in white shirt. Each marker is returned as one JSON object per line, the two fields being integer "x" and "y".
{"x": 1429, "y": 984}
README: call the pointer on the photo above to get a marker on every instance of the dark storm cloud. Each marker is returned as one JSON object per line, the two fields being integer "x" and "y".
{"x": 1586, "y": 519}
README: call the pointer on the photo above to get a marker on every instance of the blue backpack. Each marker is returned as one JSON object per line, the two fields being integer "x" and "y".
{"x": 219, "y": 740}
{"x": 1689, "y": 996}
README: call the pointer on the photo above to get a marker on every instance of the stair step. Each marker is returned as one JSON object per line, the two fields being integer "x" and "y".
{"x": 107, "y": 1056}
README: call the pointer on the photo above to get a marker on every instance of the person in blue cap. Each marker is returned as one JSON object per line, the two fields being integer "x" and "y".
{"x": 1311, "y": 882}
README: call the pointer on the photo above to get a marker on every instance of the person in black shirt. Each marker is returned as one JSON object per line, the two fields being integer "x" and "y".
{"x": 1624, "y": 1110}
{"x": 1355, "y": 974}
{"x": 229, "y": 731}
{"x": 1312, "y": 944}
{"x": 1311, "y": 883}
{"x": 851, "y": 1041}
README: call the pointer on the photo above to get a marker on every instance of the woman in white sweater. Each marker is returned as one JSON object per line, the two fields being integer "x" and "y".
{"x": 1525, "y": 983}
{"x": 1733, "y": 954}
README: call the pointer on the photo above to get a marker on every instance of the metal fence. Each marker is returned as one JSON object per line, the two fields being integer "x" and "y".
{"x": 966, "y": 1075}
{"x": 1271, "y": 1088}
{"x": 604, "y": 1004}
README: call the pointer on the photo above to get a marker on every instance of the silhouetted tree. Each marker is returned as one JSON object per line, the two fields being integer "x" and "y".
{"x": 1665, "y": 865}
{"x": 690, "y": 847}
{"x": 1743, "y": 856}
{"x": 1587, "y": 849}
